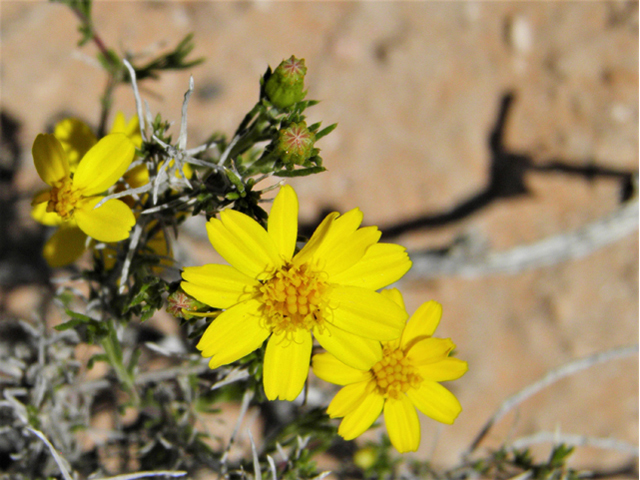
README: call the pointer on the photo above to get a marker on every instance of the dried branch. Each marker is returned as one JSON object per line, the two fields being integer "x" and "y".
{"x": 551, "y": 377}
{"x": 246, "y": 399}
{"x": 136, "y": 94}
{"x": 575, "y": 440}
{"x": 549, "y": 251}
{"x": 60, "y": 461}
{"x": 132, "y": 476}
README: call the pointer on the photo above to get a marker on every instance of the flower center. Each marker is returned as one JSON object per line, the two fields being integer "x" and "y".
{"x": 63, "y": 198}
{"x": 394, "y": 374}
{"x": 294, "y": 297}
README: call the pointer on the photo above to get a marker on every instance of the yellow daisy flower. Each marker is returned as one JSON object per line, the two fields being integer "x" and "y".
{"x": 76, "y": 138}
{"x": 328, "y": 289}
{"x": 70, "y": 202}
{"x": 404, "y": 379}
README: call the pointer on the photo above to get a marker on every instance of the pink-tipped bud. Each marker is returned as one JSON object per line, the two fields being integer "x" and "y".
{"x": 285, "y": 86}
{"x": 179, "y": 300}
{"x": 295, "y": 144}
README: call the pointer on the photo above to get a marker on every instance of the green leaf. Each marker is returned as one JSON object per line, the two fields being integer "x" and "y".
{"x": 133, "y": 363}
{"x": 302, "y": 172}
{"x": 98, "y": 357}
{"x": 325, "y": 131}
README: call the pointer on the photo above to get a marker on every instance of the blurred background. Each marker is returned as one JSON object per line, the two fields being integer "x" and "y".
{"x": 473, "y": 127}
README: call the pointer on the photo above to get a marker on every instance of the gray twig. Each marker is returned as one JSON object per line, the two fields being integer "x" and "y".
{"x": 549, "y": 251}
{"x": 136, "y": 94}
{"x": 257, "y": 471}
{"x": 246, "y": 399}
{"x": 133, "y": 245}
{"x": 60, "y": 461}
{"x": 551, "y": 377}
{"x": 159, "y": 473}
{"x": 575, "y": 440}
{"x": 182, "y": 138}
{"x": 124, "y": 193}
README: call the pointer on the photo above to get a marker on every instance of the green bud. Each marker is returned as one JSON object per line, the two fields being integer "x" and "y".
{"x": 285, "y": 86}
{"x": 295, "y": 144}
{"x": 365, "y": 458}
{"x": 179, "y": 300}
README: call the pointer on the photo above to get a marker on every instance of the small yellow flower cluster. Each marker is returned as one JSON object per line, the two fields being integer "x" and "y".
{"x": 73, "y": 155}
{"x": 328, "y": 291}
{"x": 79, "y": 168}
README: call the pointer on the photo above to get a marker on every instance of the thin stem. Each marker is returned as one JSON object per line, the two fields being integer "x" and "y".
{"x": 94, "y": 36}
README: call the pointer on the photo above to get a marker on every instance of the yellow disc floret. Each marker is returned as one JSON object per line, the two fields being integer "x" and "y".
{"x": 293, "y": 298}
{"x": 64, "y": 198}
{"x": 394, "y": 374}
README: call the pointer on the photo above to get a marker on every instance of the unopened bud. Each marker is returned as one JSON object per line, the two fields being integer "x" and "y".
{"x": 285, "y": 86}
{"x": 365, "y": 458}
{"x": 179, "y": 300}
{"x": 295, "y": 144}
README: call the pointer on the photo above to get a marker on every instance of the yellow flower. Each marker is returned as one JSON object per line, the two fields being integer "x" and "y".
{"x": 76, "y": 139}
{"x": 131, "y": 128}
{"x": 404, "y": 379}
{"x": 70, "y": 202}
{"x": 328, "y": 289}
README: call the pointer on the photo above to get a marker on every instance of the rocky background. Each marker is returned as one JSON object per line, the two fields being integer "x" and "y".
{"x": 417, "y": 90}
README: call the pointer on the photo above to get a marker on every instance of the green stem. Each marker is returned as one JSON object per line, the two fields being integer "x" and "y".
{"x": 113, "y": 350}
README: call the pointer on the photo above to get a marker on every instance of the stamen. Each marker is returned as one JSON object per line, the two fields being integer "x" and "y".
{"x": 63, "y": 198}
{"x": 292, "y": 299}
{"x": 394, "y": 374}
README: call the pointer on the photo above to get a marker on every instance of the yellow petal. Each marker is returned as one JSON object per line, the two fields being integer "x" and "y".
{"x": 76, "y": 138}
{"x": 111, "y": 222}
{"x": 423, "y": 322}
{"x": 219, "y": 286}
{"x": 435, "y": 401}
{"x": 395, "y": 295}
{"x": 243, "y": 243}
{"x": 283, "y": 222}
{"x": 357, "y": 421}
{"x": 39, "y": 211}
{"x": 131, "y": 129}
{"x": 119, "y": 123}
{"x": 366, "y": 313}
{"x": 137, "y": 176}
{"x": 104, "y": 164}
{"x": 447, "y": 369}
{"x": 428, "y": 350}
{"x": 286, "y": 365}
{"x": 339, "y": 244}
{"x": 65, "y": 246}
{"x": 381, "y": 265}
{"x": 348, "y": 398}
{"x": 349, "y": 251}
{"x": 233, "y": 334}
{"x": 351, "y": 349}
{"x": 318, "y": 237}
{"x": 49, "y": 158}
{"x": 187, "y": 171}
{"x": 402, "y": 424}
{"x": 330, "y": 369}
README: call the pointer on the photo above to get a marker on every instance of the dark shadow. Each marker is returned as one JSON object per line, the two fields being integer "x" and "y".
{"x": 21, "y": 260}
{"x": 507, "y": 172}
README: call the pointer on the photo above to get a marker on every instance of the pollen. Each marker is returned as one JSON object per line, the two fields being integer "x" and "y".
{"x": 394, "y": 374}
{"x": 64, "y": 198}
{"x": 293, "y": 298}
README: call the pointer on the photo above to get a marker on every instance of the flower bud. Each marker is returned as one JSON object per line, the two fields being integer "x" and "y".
{"x": 365, "y": 458}
{"x": 178, "y": 301}
{"x": 295, "y": 144}
{"x": 285, "y": 86}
